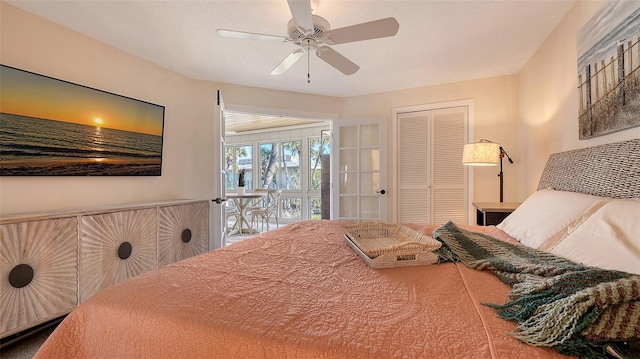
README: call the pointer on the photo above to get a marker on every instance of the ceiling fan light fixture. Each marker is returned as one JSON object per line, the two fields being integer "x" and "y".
{"x": 320, "y": 29}
{"x": 315, "y": 5}
{"x": 309, "y": 31}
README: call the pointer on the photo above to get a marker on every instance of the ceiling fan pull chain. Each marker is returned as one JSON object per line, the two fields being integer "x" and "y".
{"x": 308, "y": 56}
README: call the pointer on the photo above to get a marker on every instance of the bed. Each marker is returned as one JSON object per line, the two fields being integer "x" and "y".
{"x": 302, "y": 292}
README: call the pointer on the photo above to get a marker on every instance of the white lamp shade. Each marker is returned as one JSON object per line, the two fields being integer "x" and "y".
{"x": 481, "y": 154}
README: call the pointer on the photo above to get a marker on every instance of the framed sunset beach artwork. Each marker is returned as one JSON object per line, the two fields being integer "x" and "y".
{"x": 51, "y": 127}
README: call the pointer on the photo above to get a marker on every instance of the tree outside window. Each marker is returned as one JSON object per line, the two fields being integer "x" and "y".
{"x": 290, "y": 160}
{"x": 269, "y": 153}
{"x": 237, "y": 158}
{"x": 315, "y": 208}
{"x": 280, "y": 165}
{"x": 291, "y": 208}
{"x": 315, "y": 165}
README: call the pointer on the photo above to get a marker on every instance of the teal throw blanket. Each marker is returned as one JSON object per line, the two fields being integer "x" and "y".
{"x": 578, "y": 310}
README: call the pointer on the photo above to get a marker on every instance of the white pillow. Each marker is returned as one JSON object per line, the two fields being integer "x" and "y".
{"x": 547, "y": 216}
{"x": 610, "y": 238}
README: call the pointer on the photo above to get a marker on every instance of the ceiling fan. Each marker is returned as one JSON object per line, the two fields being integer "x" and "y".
{"x": 310, "y": 32}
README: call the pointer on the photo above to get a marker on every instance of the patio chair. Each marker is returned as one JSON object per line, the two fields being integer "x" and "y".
{"x": 232, "y": 212}
{"x": 267, "y": 210}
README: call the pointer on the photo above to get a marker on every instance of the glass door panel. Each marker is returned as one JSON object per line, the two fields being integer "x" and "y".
{"x": 370, "y": 207}
{"x": 369, "y": 136}
{"x": 370, "y": 160}
{"x": 369, "y": 183}
{"x": 359, "y": 170}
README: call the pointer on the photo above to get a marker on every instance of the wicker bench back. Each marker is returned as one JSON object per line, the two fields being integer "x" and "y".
{"x": 609, "y": 170}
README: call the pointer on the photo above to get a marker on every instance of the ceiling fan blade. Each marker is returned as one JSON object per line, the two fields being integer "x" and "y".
{"x": 301, "y": 12}
{"x": 365, "y": 31}
{"x": 288, "y": 61}
{"x": 250, "y": 35}
{"x": 335, "y": 59}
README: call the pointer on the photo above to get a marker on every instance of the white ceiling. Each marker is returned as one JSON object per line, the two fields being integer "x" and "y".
{"x": 438, "y": 41}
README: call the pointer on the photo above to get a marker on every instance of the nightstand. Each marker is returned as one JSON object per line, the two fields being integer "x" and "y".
{"x": 492, "y": 213}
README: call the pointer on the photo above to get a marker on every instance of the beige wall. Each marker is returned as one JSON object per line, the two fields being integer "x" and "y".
{"x": 548, "y": 100}
{"x": 531, "y": 114}
{"x": 494, "y": 101}
{"x": 32, "y": 44}
{"x": 28, "y": 42}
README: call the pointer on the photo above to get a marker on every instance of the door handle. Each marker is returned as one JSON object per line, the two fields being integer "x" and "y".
{"x": 219, "y": 200}
{"x": 381, "y": 191}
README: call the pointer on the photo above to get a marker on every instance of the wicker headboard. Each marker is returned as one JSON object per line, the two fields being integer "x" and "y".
{"x": 610, "y": 170}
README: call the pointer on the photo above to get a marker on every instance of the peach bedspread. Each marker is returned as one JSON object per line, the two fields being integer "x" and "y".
{"x": 296, "y": 292}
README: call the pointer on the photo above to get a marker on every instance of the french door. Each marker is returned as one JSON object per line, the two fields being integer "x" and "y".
{"x": 358, "y": 170}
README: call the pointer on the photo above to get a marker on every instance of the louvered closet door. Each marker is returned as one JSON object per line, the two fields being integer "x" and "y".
{"x": 449, "y": 180}
{"x": 414, "y": 167}
{"x": 431, "y": 179}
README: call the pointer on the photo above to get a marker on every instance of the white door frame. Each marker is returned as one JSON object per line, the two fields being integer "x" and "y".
{"x": 270, "y": 111}
{"x": 217, "y": 221}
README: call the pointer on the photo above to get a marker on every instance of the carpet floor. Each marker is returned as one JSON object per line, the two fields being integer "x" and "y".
{"x": 26, "y": 348}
